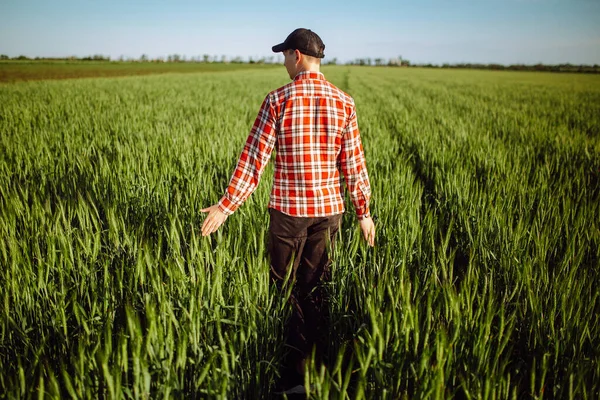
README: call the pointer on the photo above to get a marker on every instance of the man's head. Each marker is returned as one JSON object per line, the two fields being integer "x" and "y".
{"x": 302, "y": 50}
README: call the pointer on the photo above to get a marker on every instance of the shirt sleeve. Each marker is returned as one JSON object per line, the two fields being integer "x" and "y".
{"x": 354, "y": 167}
{"x": 253, "y": 160}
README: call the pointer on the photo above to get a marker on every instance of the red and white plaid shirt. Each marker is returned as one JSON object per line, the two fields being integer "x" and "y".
{"x": 312, "y": 125}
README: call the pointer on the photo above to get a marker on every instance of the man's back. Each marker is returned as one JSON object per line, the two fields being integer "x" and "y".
{"x": 313, "y": 126}
{"x": 312, "y": 117}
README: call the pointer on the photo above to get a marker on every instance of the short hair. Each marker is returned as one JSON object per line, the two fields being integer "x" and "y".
{"x": 315, "y": 60}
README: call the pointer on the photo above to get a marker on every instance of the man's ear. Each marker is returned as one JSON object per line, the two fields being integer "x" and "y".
{"x": 298, "y": 55}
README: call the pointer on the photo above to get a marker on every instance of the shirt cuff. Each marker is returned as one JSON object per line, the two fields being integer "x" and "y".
{"x": 364, "y": 215}
{"x": 226, "y": 206}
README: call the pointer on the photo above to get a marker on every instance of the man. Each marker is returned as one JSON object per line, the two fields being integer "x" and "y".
{"x": 313, "y": 127}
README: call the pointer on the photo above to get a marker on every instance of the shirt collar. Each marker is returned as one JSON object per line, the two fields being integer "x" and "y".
{"x": 309, "y": 75}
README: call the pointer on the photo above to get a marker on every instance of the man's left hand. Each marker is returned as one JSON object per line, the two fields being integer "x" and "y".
{"x": 213, "y": 221}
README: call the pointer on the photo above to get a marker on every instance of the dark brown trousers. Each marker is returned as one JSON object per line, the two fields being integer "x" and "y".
{"x": 303, "y": 245}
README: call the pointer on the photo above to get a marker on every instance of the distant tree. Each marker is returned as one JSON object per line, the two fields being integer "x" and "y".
{"x": 223, "y": 58}
{"x": 21, "y": 57}
{"x": 205, "y": 58}
{"x": 4, "y": 57}
{"x": 144, "y": 58}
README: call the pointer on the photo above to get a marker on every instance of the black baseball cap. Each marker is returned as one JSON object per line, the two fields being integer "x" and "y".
{"x": 303, "y": 40}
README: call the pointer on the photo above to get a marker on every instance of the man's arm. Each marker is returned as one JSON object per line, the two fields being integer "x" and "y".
{"x": 354, "y": 168}
{"x": 251, "y": 164}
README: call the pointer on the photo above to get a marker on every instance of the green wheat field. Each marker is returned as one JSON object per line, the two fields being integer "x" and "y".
{"x": 484, "y": 282}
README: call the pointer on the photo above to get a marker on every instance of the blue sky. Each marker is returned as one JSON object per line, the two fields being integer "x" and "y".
{"x": 436, "y": 31}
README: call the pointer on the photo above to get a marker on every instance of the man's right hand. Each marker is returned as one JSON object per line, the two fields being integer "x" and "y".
{"x": 213, "y": 220}
{"x": 367, "y": 226}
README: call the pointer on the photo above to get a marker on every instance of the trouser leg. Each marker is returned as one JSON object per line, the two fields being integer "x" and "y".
{"x": 285, "y": 246}
{"x": 311, "y": 276}
{"x": 304, "y": 245}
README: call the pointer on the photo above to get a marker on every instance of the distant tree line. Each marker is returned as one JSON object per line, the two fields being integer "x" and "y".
{"x": 590, "y": 69}
{"x": 402, "y": 62}
{"x": 96, "y": 57}
{"x": 366, "y": 61}
{"x": 171, "y": 58}
{"x": 379, "y": 62}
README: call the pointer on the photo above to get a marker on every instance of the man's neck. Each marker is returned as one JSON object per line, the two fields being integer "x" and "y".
{"x": 308, "y": 68}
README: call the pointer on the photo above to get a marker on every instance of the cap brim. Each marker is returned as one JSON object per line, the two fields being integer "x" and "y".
{"x": 278, "y": 48}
